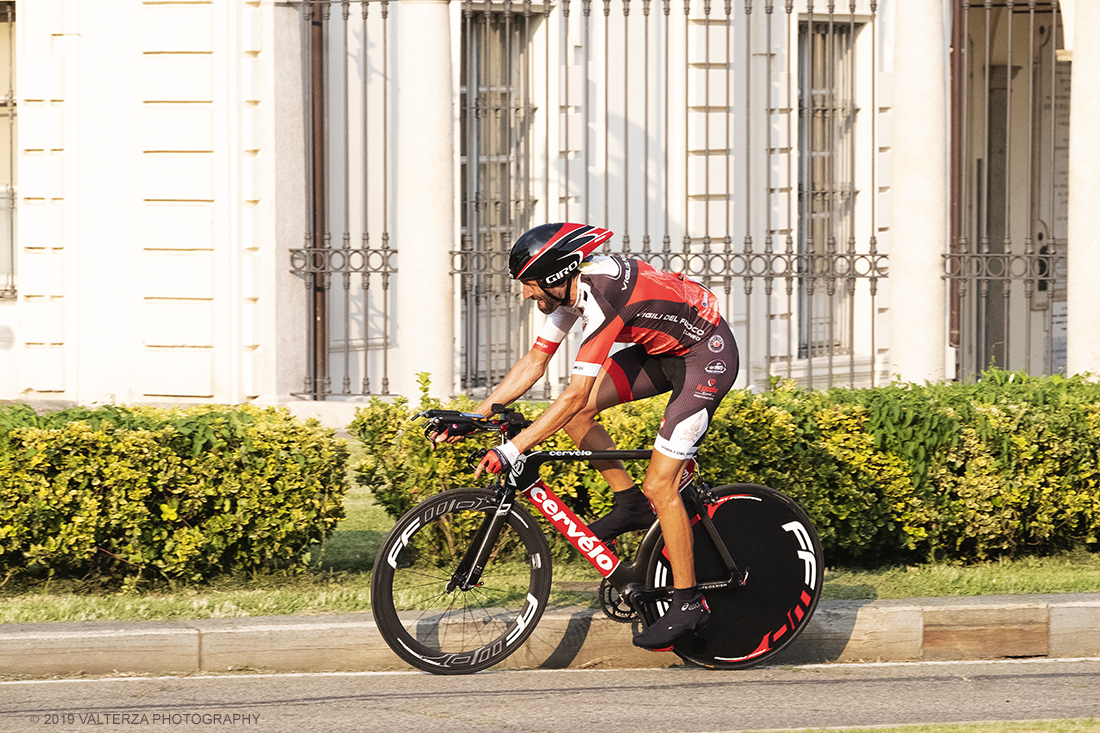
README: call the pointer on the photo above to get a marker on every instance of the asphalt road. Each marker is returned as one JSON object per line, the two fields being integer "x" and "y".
{"x": 678, "y": 699}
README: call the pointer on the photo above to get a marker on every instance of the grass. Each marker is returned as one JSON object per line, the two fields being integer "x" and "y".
{"x": 340, "y": 583}
{"x": 1072, "y": 572}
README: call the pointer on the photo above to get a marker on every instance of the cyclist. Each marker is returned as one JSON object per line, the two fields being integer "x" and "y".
{"x": 676, "y": 340}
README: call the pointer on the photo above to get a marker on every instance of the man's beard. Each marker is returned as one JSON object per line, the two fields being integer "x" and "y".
{"x": 546, "y": 306}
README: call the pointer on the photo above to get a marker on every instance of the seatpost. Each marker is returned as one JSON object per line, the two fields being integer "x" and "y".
{"x": 694, "y": 505}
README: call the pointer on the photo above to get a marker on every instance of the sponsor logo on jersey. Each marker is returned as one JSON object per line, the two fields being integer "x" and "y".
{"x": 690, "y": 329}
{"x": 716, "y": 367}
{"x": 548, "y": 347}
{"x": 716, "y": 344}
{"x": 706, "y": 391}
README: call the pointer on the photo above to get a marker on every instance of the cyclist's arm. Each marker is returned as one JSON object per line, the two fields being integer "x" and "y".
{"x": 521, "y": 377}
{"x": 572, "y": 399}
{"x": 561, "y": 411}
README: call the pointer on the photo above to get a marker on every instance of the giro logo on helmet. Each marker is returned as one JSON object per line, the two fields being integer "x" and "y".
{"x": 557, "y": 276}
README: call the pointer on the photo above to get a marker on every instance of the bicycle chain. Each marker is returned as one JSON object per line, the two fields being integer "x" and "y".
{"x": 614, "y": 605}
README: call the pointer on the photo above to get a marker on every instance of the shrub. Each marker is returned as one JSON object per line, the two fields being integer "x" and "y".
{"x": 820, "y": 454}
{"x": 144, "y": 492}
{"x": 1003, "y": 467}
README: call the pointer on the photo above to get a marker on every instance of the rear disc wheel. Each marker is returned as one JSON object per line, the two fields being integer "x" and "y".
{"x": 772, "y": 539}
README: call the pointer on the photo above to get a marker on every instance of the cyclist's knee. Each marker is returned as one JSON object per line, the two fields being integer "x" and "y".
{"x": 660, "y": 493}
{"x": 582, "y": 422}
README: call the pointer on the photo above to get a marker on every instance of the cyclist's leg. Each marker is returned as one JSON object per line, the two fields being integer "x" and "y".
{"x": 662, "y": 488}
{"x": 700, "y": 381}
{"x": 688, "y": 610}
{"x": 627, "y": 375}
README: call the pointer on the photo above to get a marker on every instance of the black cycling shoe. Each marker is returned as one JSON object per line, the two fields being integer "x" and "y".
{"x": 689, "y": 612}
{"x": 631, "y": 511}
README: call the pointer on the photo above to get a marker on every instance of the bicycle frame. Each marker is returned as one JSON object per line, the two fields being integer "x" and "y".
{"x": 628, "y": 578}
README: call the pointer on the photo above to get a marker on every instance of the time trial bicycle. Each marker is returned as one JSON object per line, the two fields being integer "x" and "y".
{"x": 463, "y": 578}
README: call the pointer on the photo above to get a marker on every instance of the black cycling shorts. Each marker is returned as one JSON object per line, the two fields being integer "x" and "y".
{"x": 698, "y": 382}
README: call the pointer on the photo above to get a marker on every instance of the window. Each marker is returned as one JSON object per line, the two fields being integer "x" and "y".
{"x": 827, "y": 191}
{"x": 496, "y": 124}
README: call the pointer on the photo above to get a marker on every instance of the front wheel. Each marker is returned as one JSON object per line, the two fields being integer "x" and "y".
{"x": 440, "y": 628}
{"x": 772, "y": 539}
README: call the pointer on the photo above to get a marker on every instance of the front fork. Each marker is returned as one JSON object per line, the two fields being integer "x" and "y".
{"x": 468, "y": 573}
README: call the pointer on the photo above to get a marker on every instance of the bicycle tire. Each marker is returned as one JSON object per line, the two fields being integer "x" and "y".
{"x": 750, "y": 623}
{"x": 456, "y": 631}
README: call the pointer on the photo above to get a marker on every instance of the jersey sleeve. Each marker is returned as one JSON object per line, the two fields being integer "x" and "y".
{"x": 553, "y": 331}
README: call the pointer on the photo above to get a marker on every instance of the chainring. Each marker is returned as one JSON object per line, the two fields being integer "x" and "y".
{"x": 614, "y": 605}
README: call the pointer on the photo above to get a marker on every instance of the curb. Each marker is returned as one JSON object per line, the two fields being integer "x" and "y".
{"x": 940, "y": 629}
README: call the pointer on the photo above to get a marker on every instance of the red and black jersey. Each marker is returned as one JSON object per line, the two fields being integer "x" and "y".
{"x": 629, "y": 301}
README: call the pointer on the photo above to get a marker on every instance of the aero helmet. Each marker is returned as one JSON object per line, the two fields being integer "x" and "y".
{"x": 550, "y": 253}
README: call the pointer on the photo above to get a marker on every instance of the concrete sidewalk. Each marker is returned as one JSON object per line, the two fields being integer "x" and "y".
{"x": 986, "y": 627}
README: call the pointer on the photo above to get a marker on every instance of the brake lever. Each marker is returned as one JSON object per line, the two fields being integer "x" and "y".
{"x": 475, "y": 457}
{"x": 429, "y": 428}
{"x": 439, "y": 425}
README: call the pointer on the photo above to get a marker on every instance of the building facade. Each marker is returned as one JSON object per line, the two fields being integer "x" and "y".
{"x": 257, "y": 201}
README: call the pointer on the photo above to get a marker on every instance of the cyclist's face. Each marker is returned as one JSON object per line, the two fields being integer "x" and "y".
{"x": 532, "y": 291}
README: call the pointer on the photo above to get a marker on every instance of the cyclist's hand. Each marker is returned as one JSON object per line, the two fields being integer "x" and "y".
{"x": 452, "y": 433}
{"x": 493, "y": 462}
{"x": 498, "y": 460}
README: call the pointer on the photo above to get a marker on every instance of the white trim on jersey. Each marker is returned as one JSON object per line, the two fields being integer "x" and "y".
{"x": 558, "y": 324}
{"x": 563, "y": 318}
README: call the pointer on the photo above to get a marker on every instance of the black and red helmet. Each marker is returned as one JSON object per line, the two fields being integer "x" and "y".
{"x": 550, "y": 253}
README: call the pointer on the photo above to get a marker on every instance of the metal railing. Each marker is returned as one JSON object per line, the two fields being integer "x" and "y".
{"x": 737, "y": 142}
{"x": 346, "y": 77}
{"x": 670, "y": 129}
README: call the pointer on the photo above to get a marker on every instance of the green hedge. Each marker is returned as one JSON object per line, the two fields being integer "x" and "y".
{"x": 1004, "y": 467}
{"x": 118, "y": 492}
